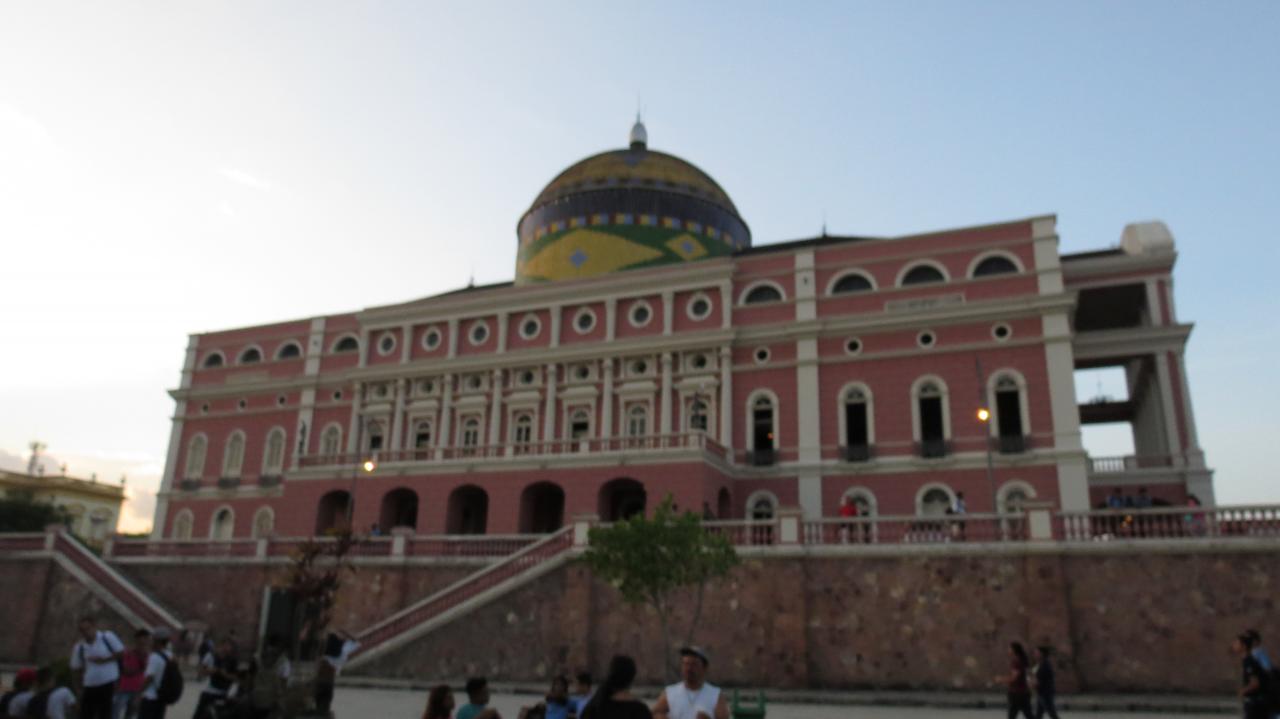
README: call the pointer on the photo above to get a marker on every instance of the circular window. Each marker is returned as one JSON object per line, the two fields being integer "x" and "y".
{"x": 426, "y": 386}
{"x": 204, "y": 408}
{"x": 698, "y": 361}
{"x": 479, "y": 333}
{"x": 926, "y": 339}
{"x": 475, "y": 382}
{"x": 584, "y": 321}
{"x": 281, "y": 400}
{"x": 530, "y": 326}
{"x": 639, "y": 367}
{"x": 526, "y": 377}
{"x": 582, "y": 372}
{"x": 761, "y": 355}
{"x": 386, "y": 343}
{"x": 242, "y": 404}
{"x": 640, "y": 314}
{"x": 431, "y": 339}
{"x": 853, "y": 346}
{"x": 1001, "y": 331}
{"x": 699, "y": 307}
{"x": 380, "y": 391}
{"x": 337, "y": 394}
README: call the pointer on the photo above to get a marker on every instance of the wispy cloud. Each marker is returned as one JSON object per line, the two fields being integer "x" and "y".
{"x": 247, "y": 179}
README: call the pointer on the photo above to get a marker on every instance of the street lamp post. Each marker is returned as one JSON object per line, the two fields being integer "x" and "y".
{"x": 984, "y": 418}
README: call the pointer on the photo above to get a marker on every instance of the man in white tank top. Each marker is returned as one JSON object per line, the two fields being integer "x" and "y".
{"x": 693, "y": 697}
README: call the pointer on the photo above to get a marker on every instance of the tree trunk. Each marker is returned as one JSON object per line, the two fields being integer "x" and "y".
{"x": 697, "y": 613}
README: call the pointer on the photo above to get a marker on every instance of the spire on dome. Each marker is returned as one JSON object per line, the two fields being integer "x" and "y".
{"x": 639, "y": 136}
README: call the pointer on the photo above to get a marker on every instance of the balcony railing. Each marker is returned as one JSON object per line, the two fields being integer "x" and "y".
{"x": 1011, "y": 444}
{"x": 479, "y": 546}
{"x": 933, "y": 448}
{"x": 856, "y": 453}
{"x": 1250, "y": 521}
{"x": 1111, "y": 465}
{"x": 555, "y": 448}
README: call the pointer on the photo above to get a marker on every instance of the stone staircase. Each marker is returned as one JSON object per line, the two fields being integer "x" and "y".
{"x": 464, "y": 596}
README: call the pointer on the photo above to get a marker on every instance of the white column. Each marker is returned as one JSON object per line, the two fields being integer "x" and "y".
{"x": 453, "y": 337}
{"x": 1195, "y": 455}
{"x": 495, "y": 408}
{"x": 805, "y": 292}
{"x": 446, "y": 413}
{"x": 610, "y": 321}
{"x": 406, "y": 342}
{"x": 606, "y": 402}
{"x": 354, "y": 424}
{"x": 556, "y": 311}
{"x": 306, "y": 410}
{"x": 726, "y": 304}
{"x": 808, "y": 427}
{"x": 1167, "y": 408}
{"x": 664, "y": 401}
{"x": 1073, "y": 476}
{"x": 549, "y": 411}
{"x": 397, "y": 420}
{"x": 1048, "y": 267}
{"x": 726, "y": 397}
{"x": 502, "y": 334}
{"x": 364, "y": 347}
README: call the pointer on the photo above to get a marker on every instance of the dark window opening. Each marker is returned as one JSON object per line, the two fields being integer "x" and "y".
{"x": 250, "y": 356}
{"x": 851, "y": 283}
{"x": 923, "y": 275}
{"x": 995, "y": 266}
{"x": 762, "y": 294}
{"x": 346, "y": 344}
{"x": 213, "y": 360}
{"x": 290, "y": 351}
{"x": 855, "y": 425}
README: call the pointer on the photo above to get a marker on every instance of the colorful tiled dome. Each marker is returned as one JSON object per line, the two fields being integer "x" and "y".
{"x": 626, "y": 209}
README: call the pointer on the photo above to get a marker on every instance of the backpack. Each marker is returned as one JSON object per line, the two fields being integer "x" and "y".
{"x": 170, "y": 689}
{"x": 6, "y": 700}
{"x": 38, "y": 707}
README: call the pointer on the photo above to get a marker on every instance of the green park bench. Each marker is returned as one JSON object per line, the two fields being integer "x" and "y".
{"x": 741, "y": 711}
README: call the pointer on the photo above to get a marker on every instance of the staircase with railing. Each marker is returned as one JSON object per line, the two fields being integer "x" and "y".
{"x": 463, "y": 596}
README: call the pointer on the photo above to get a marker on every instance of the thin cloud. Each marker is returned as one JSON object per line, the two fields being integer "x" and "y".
{"x": 247, "y": 179}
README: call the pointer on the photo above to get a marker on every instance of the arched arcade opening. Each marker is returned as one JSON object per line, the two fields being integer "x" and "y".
{"x": 541, "y": 508}
{"x": 468, "y": 511}
{"x": 621, "y": 498}
{"x": 399, "y": 509}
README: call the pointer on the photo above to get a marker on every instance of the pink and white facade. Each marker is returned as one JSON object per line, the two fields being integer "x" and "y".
{"x": 858, "y": 370}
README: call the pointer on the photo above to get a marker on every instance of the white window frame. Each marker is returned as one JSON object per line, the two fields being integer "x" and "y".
{"x": 630, "y": 416}
{"x": 262, "y": 356}
{"x": 756, "y": 496}
{"x": 993, "y": 424}
{"x": 257, "y": 518}
{"x": 526, "y": 319}
{"x": 289, "y": 343}
{"x": 865, "y": 493}
{"x": 843, "y": 422}
{"x": 981, "y": 257}
{"x": 226, "y": 455}
{"x": 426, "y": 333}
{"x": 333, "y": 348}
{"x": 382, "y": 338}
{"x": 1009, "y": 487}
{"x": 907, "y": 268}
{"x": 928, "y": 487}
{"x": 945, "y": 393}
{"x": 462, "y": 431}
{"x": 204, "y": 456}
{"x": 471, "y": 333}
{"x": 204, "y": 363}
{"x": 750, "y": 418}
{"x": 268, "y": 467}
{"x": 213, "y": 522}
{"x": 835, "y": 280}
{"x": 742, "y": 296}
{"x": 688, "y": 306}
{"x": 631, "y": 313}
{"x": 184, "y": 525}
{"x": 581, "y": 312}
{"x": 338, "y": 445}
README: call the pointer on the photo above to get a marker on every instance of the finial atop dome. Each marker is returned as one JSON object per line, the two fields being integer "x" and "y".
{"x": 639, "y": 136}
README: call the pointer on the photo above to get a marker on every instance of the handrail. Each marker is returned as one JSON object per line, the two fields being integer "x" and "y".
{"x": 100, "y": 571}
{"x": 561, "y": 535}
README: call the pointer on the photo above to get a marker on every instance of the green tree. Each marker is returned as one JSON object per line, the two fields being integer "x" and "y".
{"x": 649, "y": 560}
{"x": 20, "y": 511}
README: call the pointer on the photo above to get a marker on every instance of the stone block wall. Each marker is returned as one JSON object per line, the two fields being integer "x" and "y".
{"x": 41, "y": 605}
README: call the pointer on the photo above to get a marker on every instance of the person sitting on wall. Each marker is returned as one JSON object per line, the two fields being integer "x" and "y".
{"x": 554, "y": 706}
{"x": 477, "y": 699}
{"x": 693, "y": 697}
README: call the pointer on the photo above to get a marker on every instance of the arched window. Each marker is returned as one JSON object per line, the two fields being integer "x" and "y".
{"x": 289, "y": 350}
{"x": 522, "y": 432}
{"x": 223, "y": 525}
{"x": 934, "y": 501}
{"x": 637, "y": 421}
{"x": 851, "y": 283}
{"x": 183, "y": 523}
{"x": 422, "y": 434}
{"x": 761, "y": 508}
{"x": 250, "y": 355}
{"x": 375, "y": 435}
{"x": 1013, "y": 494}
{"x": 215, "y": 359}
{"x": 995, "y": 265}
{"x": 264, "y": 523}
{"x": 922, "y": 274}
{"x": 273, "y": 453}
{"x": 763, "y": 424}
{"x": 697, "y": 415}
{"x": 855, "y": 421}
{"x": 932, "y": 428}
{"x": 331, "y": 440}
{"x": 233, "y": 455}
{"x": 196, "y": 450}
{"x": 470, "y": 433}
{"x": 347, "y": 344}
{"x": 1010, "y": 429}
{"x": 761, "y": 294}
{"x": 579, "y": 424}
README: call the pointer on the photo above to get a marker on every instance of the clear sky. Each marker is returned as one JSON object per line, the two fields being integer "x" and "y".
{"x": 170, "y": 168}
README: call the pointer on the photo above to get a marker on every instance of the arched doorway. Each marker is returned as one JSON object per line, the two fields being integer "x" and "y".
{"x": 224, "y": 523}
{"x": 399, "y": 509}
{"x": 468, "y": 510}
{"x": 334, "y": 512}
{"x": 621, "y": 498}
{"x": 541, "y": 508}
{"x": 724, "y": 506}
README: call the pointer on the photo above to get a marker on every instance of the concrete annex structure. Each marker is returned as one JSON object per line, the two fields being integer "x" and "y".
{"x": 647, "y": 348}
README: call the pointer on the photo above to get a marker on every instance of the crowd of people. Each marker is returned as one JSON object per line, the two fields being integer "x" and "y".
{"x": 693, "y": 697}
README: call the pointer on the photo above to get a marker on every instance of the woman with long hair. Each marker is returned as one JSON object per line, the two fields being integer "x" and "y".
{"x": 613, "y": 700}
{"x": 1018, "y": 689}
{"x": 439, "y": 703}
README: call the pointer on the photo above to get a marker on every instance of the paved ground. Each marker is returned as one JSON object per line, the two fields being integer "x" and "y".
{"x": 357, "y": 703}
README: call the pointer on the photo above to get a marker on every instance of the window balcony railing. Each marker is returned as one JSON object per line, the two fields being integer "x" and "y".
{"x": 762, "y": 457}
{"x": 856, "y": 452}
{"x": 270, "y": 480}
{"x": 933, "y": 448}
{"x": 190, "y": 484}
{"x": 1011, "y": 444}
{"x": 228, "y": 482}
{"x": 1108, "y": 465}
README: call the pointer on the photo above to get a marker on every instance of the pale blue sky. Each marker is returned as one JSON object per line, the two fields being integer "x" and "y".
{"x": 168, "y": 168}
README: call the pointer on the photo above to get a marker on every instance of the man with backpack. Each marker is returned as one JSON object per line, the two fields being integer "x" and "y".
{"x": 50, "y": 701}
{"x": 162, "y": 685}
{"x": 96, "y": 656}
{"x": 270, "y": 679}
{"x": 14, "y": 701}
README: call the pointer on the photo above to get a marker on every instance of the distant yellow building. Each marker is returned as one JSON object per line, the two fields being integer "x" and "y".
{"x": 94, "y": 507}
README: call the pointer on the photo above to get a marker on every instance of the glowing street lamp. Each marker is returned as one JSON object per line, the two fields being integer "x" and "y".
{"x": 984, "y": 414}
{"x": 369, "y": 465}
